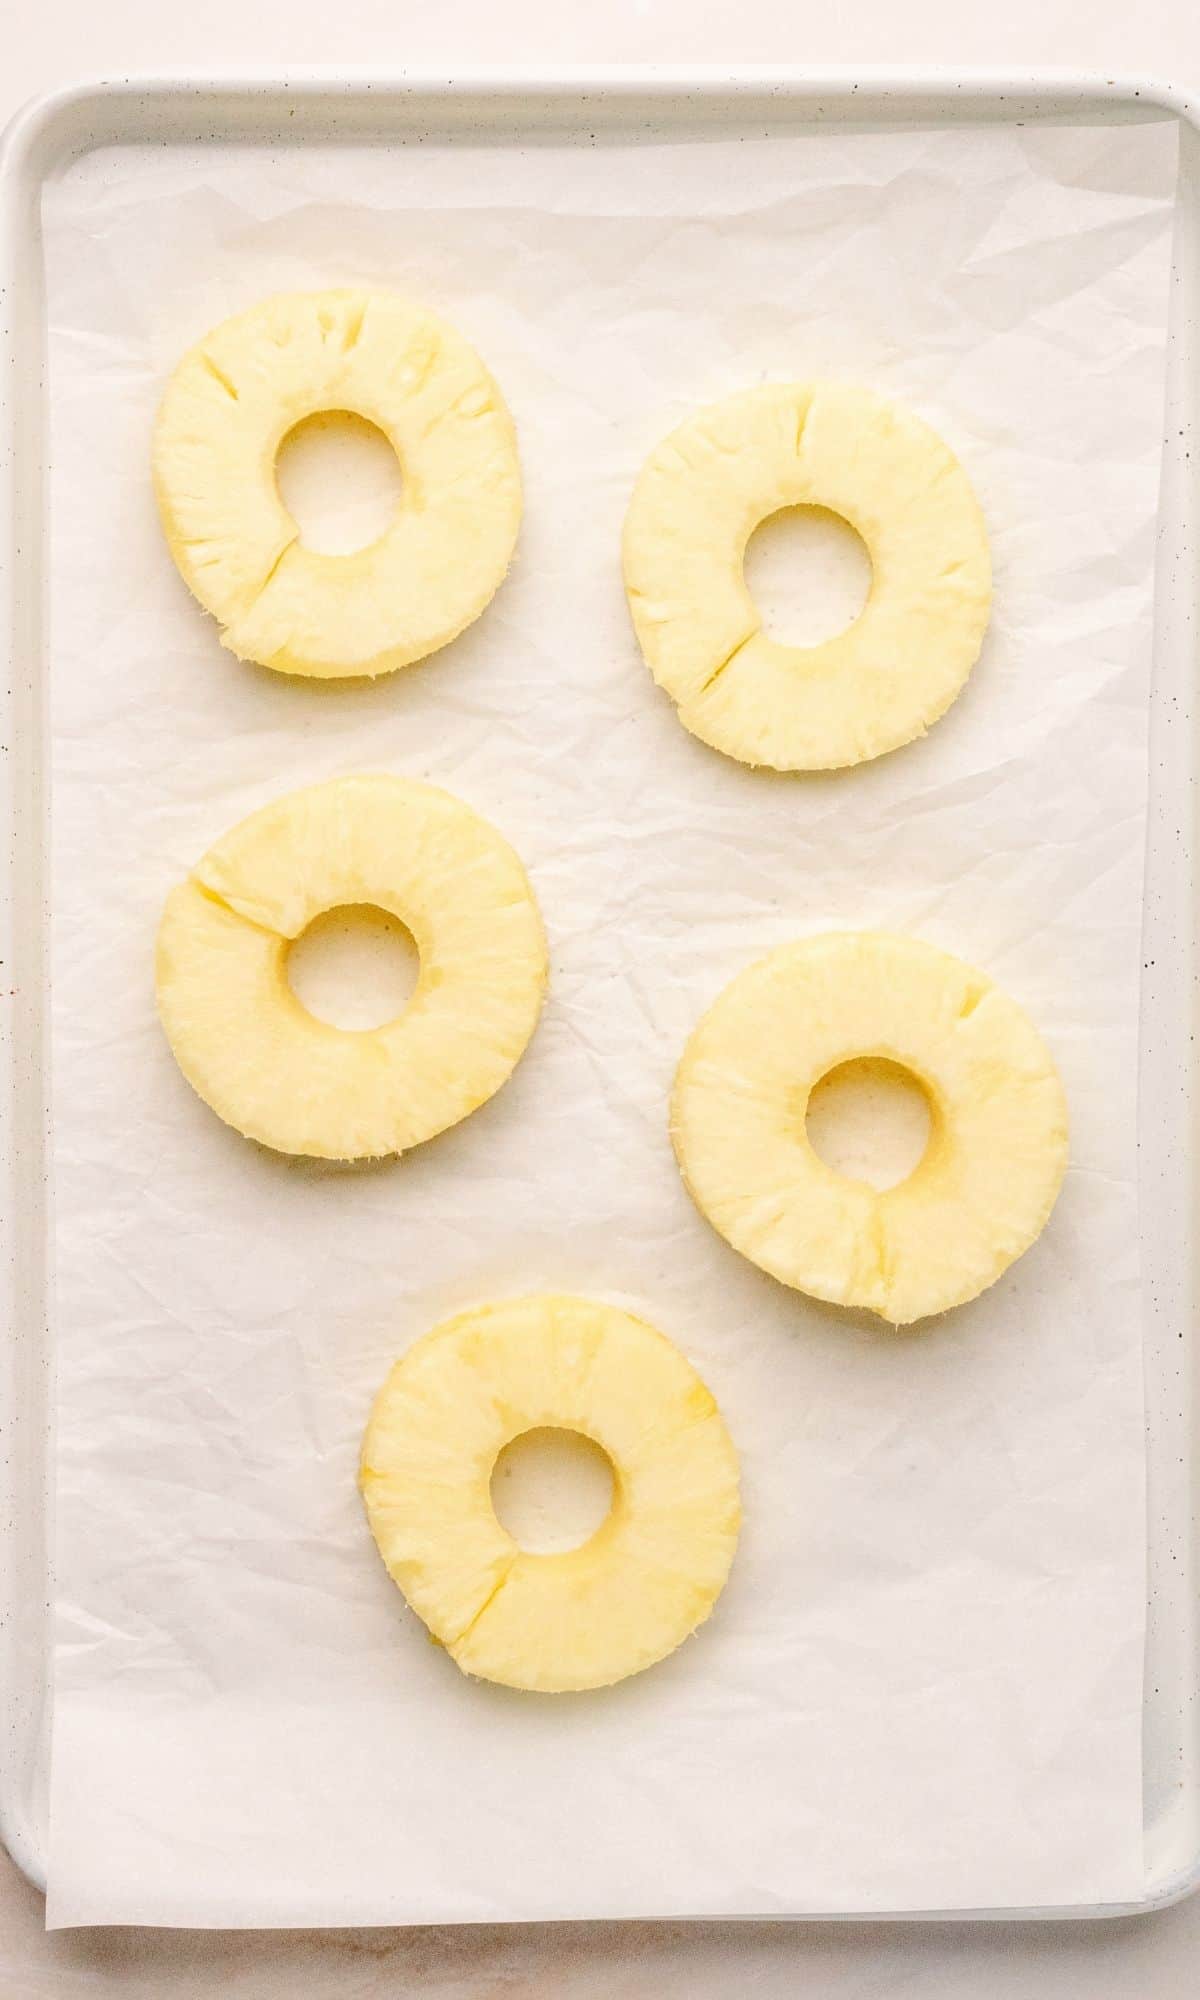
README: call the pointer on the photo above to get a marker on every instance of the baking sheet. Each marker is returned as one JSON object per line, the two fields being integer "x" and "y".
{"x": 923, "y": 1684}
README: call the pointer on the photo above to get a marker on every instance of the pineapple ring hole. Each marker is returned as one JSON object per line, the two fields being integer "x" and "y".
{"x": 340, "y": 480}
{"x": 355, "y": 967}
{"x": 552, "y": 1489}
{"x": 809, "y": 573}
{"x": 871, "y": 1120}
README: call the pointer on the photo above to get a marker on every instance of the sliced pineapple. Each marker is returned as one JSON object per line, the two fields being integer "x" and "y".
{"x": 883, "y": 681}
{"x": 269, "y": 1067}
{"x": 998, "y": 1129}
{"x": 648, "y": 1576}
{"x": 226, "y": 411}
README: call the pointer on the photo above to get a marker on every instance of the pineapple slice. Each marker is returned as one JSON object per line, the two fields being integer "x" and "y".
{"x": 648, "y": 1576}
{"x": 998, "y": 1136}
{"x": 226, "y": 411}
{"x": 265, "y": 1064}
{"x": 898, "y": 667}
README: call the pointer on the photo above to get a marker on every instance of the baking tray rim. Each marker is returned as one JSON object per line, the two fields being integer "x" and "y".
{"x": 50, "y": 131}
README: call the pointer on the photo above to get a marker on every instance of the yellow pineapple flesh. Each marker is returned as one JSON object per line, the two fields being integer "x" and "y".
{"x": 998, "y": 1147}
{"x": 293, "y": 1082}
{"x": 651, "y": 1573}
{"x": 227, "y": 409}
{"x": 898, "y": 667}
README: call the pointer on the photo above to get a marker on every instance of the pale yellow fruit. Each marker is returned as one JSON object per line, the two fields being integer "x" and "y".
{"x": 998, "y": 1142}
{"x": 269, "y": 1067}
{"x": 648, "y": 1576}
{"x": 895, "y": 670}
{"x": 226, "y": 411}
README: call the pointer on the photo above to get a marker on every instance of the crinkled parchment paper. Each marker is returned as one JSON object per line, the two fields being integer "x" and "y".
{"x": 923, "y": 1684}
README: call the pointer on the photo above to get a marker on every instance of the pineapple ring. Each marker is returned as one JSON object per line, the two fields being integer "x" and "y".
{"x": 226, "y": 411}
{"x": 652, "y": 1571}
{"x": 998, "y": 1136}
{"x": 900, "y": 664}
{"x": 271, "y": 1069}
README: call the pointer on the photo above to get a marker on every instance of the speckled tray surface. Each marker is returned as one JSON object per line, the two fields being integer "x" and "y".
{"x": 327, "y": 108}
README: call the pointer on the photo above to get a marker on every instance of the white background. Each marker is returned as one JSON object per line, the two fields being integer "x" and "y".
{"x": 891, "y": 1712}
{"x": 1143, "y": 1956}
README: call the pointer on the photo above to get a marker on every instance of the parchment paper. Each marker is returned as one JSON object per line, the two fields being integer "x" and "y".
{"x": 922, "y": 1686}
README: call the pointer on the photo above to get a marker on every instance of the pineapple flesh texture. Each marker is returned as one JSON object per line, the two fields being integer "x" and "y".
{"x": 271, "y": 1069}
{"x": 226, "y": 411}
{"x": 653, "y": 1570}
{"x": 898, "y": 667}
{"x": 998, "y": 1144}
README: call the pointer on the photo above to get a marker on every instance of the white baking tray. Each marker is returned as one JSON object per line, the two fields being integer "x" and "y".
{"x": 312, "y": 107}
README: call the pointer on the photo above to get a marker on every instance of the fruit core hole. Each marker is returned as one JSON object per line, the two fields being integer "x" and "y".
{"x": 355, "y": 966}
{"x": 809, "y": 573}
{"x": 340, "y": 481}
{"x": 552, "y": 1489}
{"x": 870, "y": 1120}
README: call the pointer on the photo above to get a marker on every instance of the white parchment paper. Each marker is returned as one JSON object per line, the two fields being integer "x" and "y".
{"x": 922, "y": 1687}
